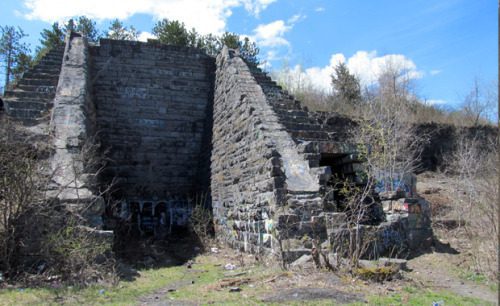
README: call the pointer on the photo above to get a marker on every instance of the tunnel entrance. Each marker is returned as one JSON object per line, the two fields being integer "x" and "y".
{"x": 346, "y": 172}
{"x": 159, "y": 231}
{"x": 348, "y": 177}
{"x": 149, "y": 218}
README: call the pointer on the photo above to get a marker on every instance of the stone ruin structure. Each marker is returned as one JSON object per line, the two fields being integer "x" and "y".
{"x": 173, "y": 123}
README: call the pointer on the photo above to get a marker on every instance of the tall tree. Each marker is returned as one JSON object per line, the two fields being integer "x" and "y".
{"x": 23, "y": 63}
{"x": 120, "y": 32}
{"x": 211, "y": 44}
{"x": 51, "y": 38}
{"x": 249, "y": 50}
{"x": 172, "y": 33}
{"x": 175, "y": 33}
{"x": 346, "y": 87}
{"x": 84, "y": 25}
{"x": 70, "y": 25}
{"x": 480, "y": 105}
{"x": 231, "y": 40}
{"x": 13, "y": 51}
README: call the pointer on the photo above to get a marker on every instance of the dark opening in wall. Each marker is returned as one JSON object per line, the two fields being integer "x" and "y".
{"x": 343, "y": 166}
{"x": 346, "y": 169}
{"x": 146, "y": 218}
{"x": 347, "y": 174}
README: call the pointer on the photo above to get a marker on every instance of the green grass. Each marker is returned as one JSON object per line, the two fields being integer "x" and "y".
{"x": 205, "y": 273}
{"x": 126, "y": 293}
{"x": 414, "y": 296}
{"x": 477, "y": 278}
{"x": 201, "y": 285}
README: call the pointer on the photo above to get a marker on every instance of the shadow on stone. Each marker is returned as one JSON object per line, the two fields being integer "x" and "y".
{"x": 439, "y": 247}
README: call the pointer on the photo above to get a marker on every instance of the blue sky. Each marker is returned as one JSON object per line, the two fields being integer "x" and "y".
{"x": 443, "y": 44}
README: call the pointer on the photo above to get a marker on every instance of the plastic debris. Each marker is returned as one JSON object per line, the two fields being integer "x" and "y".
{"x": 229, "y": 266}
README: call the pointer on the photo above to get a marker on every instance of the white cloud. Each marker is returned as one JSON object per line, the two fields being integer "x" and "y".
{"x": 322, "y": 77}
{"x": 143, "y": 36}
{"x": 257, "y": 6}
{"x": 296, "y": 18}
{"x": 319, "y": 9}
{"x": 271, "y": 34}
{"x": 435, "y": 102}
{"x": 435, "y": 72}
{"x": 205, "y": 16}
{"x": 367, "y": 66}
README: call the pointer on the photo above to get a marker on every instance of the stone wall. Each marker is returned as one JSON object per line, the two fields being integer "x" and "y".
{"x": 152, "y": 102}
{"x": 73, "y": 126}
{"x": 261, "y": 185}
{"x": 174, "y": 123}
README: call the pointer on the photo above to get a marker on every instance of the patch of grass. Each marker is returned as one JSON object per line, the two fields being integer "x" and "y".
{"x": 493, "y": 287}
{"x": 415, "y": 296}
{"x": 125, "y": 293}
{"x": 198, "y": 285}
{"x": 210, "y": 284}
{"x": 477, "y": 278}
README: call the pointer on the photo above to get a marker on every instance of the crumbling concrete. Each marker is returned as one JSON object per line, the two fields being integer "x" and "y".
{"x": 73, "y": 126}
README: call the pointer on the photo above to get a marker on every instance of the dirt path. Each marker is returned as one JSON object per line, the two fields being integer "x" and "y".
{"x": 434, "y": 271}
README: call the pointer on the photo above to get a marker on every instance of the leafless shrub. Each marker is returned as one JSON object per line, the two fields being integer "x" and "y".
{"x": 476, "y": 175}
{"x": 39, "y": 236}
{"x": 389, "y": 147}
{"x": 357, "y": 201}
{"x": 78, "y": 253}
{"x": 201, "y": 220}
{"x": 21, "y": 185}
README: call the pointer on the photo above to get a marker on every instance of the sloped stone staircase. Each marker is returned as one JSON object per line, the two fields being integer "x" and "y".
{"x": 303, "y": 217}
{"x": 302, "y": 124}
{"x": 31, "y": 99}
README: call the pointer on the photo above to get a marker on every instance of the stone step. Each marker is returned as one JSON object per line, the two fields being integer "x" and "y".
{"x": 20, "y": 113}
{"x": 265, "y": 81}
{"x": 47, "y": 69}
{"x": 37, "y": 88}
{"x": 33, "y": 95}
{"x": 292, "y": 113}
{"x": 303, "y": 198}
{"x": 40, "y": 75}
{"x": 39, "y": 82}
{"x": 53, "y": 55}
{"x": 289, "y": 119}
{"x": 51, "y": 61}
{"x": 285, "y": 106}
{"x": 300, "y": 125}
{"x": 58, "y": 50}
{"x": 310, "y": 135}
{"x": 302, "y": 193}
{"x": 310, "y": 205}
{"x": 20, "y": 94}
{"x": 28, "y": 104}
